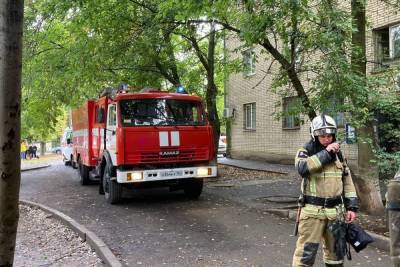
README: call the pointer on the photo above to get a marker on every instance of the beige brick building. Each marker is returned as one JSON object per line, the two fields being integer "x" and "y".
{"x": 249, "y": 96}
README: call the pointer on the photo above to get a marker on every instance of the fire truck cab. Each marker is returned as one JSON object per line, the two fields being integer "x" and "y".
{"x": 147, "y": 139}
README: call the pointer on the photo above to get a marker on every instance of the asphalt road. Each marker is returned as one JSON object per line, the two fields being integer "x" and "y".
{"x": 159, "y": 228}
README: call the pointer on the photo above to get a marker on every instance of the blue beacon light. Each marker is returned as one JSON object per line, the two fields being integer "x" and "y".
{"x": 181, "y": 90}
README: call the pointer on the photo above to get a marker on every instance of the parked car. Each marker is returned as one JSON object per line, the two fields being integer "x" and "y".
{"x": 56, "y": 150}
{"x": 66, "y": 146}
{"x": 222, "y": 146}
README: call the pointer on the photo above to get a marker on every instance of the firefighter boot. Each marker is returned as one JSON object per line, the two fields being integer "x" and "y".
{"x": 393, "y": 207}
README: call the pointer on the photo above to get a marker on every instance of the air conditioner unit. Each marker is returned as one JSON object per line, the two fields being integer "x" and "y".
{"x": 229, "y": 112}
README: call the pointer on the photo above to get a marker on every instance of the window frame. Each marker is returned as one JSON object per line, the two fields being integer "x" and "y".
{"x": 392, "y": 29}
{"x": 285, "y": 118}
{"x": 338, "y": 116}
{"x": 249, "y": 62}
{"x": 249, "y": 124}
{"x": 383, "y": 46}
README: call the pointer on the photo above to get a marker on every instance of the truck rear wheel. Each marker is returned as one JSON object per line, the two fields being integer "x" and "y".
{"x": 112, "y": 189}
{"x": 83, "y": 173}
{"x": 193, "y": 188}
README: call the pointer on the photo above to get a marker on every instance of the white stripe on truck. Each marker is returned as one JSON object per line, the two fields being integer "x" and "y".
{"x": 175, "y": 138}
{"x": 164, "y": 139}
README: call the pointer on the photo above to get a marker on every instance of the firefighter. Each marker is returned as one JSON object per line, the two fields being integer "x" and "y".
{"x": 328, "y": 193}
{"x": 393, "y": 207}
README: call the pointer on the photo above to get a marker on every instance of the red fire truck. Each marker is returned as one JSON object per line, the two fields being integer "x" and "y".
{"x": 146, "y": 139}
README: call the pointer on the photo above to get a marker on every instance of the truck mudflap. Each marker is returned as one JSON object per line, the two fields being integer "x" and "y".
{"x": 135, "y": 176}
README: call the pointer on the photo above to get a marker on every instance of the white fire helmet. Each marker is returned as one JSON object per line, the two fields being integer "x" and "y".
{"x": 322, "y": 124}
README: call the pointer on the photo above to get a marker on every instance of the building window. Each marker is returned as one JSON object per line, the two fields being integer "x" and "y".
{"x": 339, "y": 119}
{"x": 394, "y": 44}
{"x": 291, "y": 118}
{"x": 249, "y": 62}
{"x": 387, "y": 45}
{"x": 249, "y": 116}
{"x": 332, "y": 110}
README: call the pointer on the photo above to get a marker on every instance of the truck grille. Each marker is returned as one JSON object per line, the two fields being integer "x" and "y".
{"x": 188, "y": 155}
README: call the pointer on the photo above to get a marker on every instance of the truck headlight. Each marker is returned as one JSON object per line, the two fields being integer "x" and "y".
{"x": 135, "y": 176}
{"x": 204, "y": 171}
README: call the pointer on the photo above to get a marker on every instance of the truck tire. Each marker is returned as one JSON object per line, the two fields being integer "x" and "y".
{"x": 73, "y": 163}
{"x": 101, "y": 188}
{"x": 83, "y": 173}
{"x": 112, "y": 189}
{"x": 193, "y": 188}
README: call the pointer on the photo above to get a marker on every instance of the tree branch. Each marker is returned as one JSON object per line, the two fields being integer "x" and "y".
{"x": 266, "y": 73}
{"x": 140, "y": 3}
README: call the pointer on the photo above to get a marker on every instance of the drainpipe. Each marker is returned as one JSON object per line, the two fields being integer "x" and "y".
{"x": 228, "y": 119}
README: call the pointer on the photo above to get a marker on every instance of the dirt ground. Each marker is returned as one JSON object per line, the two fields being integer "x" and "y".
{"x": 44, "y": 241}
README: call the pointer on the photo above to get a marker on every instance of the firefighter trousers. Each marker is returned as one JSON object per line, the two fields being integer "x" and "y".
{"x": 311, "y": 232}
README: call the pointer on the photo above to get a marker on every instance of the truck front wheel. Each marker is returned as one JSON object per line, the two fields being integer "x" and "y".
{"x": 83, "y": 173}
{"x": 101, "y": 187}
{"x": 193, "y": 188}
{"x": 112, "y": 189}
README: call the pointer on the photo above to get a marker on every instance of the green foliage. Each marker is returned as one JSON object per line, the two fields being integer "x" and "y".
{"x": 74, "y": 49}
{"x": 388, "y": 164}
{"x": 385, "y": 106}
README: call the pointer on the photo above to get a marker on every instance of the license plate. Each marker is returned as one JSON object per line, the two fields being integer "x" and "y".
{"x": 171, "y": 173}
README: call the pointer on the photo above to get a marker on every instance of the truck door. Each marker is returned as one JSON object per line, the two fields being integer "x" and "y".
{"x": 98, "y": 128}
{"x": 111, "y": 139}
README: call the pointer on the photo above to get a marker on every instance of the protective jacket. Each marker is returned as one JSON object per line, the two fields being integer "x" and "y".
{"x": 326, "y": 176}
{"x": 393, "y": 207}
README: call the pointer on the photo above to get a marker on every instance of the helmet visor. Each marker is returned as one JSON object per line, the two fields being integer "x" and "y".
{"x": 324, "y": 131}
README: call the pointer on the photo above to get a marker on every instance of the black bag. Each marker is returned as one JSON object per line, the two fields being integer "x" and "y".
{"x": 357, "y": 237}
{"x": 339, "y": 230}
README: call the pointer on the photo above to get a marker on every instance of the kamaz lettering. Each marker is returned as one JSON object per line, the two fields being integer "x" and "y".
{"x": 169, "y": 153}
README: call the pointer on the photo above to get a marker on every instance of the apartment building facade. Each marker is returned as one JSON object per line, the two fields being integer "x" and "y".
{"x": 250, "y": 102}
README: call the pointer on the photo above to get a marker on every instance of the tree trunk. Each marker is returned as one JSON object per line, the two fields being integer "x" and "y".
{"x": 212, "y": 90}
{"x": 42, "y": 148}
{"x": 169, "y": 70}
{"x": 11, "y": 18}
{"x": 211, "y": 97}
{"x": 367, "y": 179}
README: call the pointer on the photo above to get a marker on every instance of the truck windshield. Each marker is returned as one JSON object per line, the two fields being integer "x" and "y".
{"x": 144, "y": 112}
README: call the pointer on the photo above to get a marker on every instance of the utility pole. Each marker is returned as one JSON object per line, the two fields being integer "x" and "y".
{"x": 11, "y": 25}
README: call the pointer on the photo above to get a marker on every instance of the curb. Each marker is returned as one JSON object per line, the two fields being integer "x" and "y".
{"x": 35, "y": 168}
{"x": 91, "y": 238}
{"x": 380, "y": 242}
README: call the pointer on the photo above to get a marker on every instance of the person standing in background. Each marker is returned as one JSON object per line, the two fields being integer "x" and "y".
{"x": 23, "y": 149}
